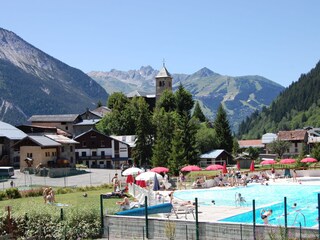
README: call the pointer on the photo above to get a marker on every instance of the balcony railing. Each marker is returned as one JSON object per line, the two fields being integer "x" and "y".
{"x": 94, "y": 157}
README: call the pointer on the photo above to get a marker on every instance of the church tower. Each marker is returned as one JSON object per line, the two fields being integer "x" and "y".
{"x": 163, "y": 82}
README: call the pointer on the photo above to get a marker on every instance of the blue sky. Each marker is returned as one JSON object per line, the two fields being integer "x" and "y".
{"x": 277, "y": 39}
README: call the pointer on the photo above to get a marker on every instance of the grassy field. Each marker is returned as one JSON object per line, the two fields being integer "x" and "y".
{"x": 73, "y": 202}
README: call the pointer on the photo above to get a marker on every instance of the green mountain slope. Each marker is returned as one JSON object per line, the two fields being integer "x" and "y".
{"x": 296, "y": 107}
{"x": 241, "y": 96}
{"x": 32, "y": 82}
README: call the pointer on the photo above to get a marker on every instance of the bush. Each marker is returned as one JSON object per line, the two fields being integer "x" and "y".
{"x": 32, "y": 192}
{"x": 2, "y": 195}
{"x": 13, "y": 193}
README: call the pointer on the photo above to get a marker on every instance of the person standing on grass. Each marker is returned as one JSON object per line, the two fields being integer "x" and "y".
{"x": 115, "y": 182}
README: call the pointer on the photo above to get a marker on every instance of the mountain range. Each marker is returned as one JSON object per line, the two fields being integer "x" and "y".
{"x": 32, "y": 82}
{"x": 241, "y": 96}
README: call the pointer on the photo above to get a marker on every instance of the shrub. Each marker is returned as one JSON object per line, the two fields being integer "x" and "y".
{"x": 13, "y": 193}
{"x": 2, "y": 195}
{"x": 32, "y": 192}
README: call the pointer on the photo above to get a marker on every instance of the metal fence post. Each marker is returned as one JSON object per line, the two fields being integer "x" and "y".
{"x": 197, "y": 220}
{"x": 254, "y": 218}
{"x": 101, "y": 213}
{"x": 146, "y": 215}
{"x": 285, "y": 218}
{"x": 61, "y": 214}
{"x": 318, "y": 215}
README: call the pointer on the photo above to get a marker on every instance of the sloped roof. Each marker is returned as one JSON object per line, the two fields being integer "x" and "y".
{"x": 61, "y": 139}
{"x": 88, "y": 122}
{"x": 129, "y": 139}
{"x": 257, "y": 143}
{"x": 163, "y": 73}
{"x": 137, "y": 93}
{"x": 11, "y": 132}
{"x": 44, "y": 141}
{"x": 94, "y": 130}
{"x": 213, "y": 154}
{"x": 292, "y": 135}
{"x": 54, "y": 118}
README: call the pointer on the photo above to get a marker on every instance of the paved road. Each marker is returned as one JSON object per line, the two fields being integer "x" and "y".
{"x": 93, "y": 177}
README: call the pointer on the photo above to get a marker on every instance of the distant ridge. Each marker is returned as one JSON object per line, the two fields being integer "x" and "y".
{"x": 241, "y": 96}
{"x": 32, "y": 82}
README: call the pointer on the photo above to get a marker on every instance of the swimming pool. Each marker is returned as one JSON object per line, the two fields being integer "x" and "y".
{"x": 266, "y": 197}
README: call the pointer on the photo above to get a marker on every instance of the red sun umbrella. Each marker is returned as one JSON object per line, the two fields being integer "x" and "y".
{"x": 287, "y": 161}
{"x": 190, "y": 168}
{"x": 214, "y": 167}
{"x": 224, "y": 169}
{"x": 268, "y": 162}
{"x": 252, "y": 166}
{"x": 159, "y": 169}
{"x": 129, "y": 179}
{"x": 309, "y": 159}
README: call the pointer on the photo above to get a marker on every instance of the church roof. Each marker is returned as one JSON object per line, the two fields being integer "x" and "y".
{"x": 163, "y": 73}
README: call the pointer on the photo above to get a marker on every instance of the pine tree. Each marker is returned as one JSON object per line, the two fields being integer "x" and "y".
{"x": 198, "y": 113}
{"x": 165, "y": 124}
{"x": 142, "y": 152}
{"x": 223, "y": 131}
{"x": 184, "y": 101}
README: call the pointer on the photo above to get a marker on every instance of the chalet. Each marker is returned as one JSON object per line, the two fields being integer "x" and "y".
{"x": 97, "y": 150}
{"x": 9, "y": 135}
{"x": 66, "y": 151}
{"x": 63, "y": 121}
{"x": 37, "y": 150}
{"x": 298, "y": 140}
{"x": 218, "y": 156}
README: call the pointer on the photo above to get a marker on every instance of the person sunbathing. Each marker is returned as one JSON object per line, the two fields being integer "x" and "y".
{"x": 125, "y": 204}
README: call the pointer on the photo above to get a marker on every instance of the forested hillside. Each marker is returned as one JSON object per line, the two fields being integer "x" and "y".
{"x": 296, "y": 107}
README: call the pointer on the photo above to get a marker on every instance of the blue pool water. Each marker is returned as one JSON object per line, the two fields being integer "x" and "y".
{"x": 266, "y": 197}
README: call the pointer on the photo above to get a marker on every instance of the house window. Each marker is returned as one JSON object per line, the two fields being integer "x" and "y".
{"x": 101, "y": 162}
{"x": 83, "y": 154}
{"x": 71, "y": 159}
{"x": 94, "y": 153}
{"x": 93, "y": 136}
{"x": 102, "y": 154}
{"x": 67, "y": 127}
{"x": 84, "y": 144}
{"x": 71, "y": 148}
{"x": 296, "y": 144}
{"x": 29, "y": 155}
{"x": 47, "y": 154}
{"x": 53, "y": 154}
{"x": 62, "y": 149}
{"x": 296, "y": 150}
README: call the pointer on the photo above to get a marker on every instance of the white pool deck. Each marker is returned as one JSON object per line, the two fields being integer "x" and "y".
{"x": 214, "y": 213}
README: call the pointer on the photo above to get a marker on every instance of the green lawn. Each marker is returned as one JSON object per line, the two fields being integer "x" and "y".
{"x": 75, "y": 201}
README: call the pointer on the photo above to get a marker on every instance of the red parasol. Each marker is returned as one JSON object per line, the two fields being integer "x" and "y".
{"x": 214, "y": 167}
{"x": 252, "y": 166}
{"x": 288, "y": 161}
{"x": 159, "y": 169}
{"x": 309, "y": 159}
{"x": 129, "y": 179}
{"x": 268, "y": 162}
{"x": 190, "y": 168}
{"x": 224, "y": 170}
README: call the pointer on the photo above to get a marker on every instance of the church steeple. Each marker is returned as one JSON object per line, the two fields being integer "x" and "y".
{"x": 163, "y": 81}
